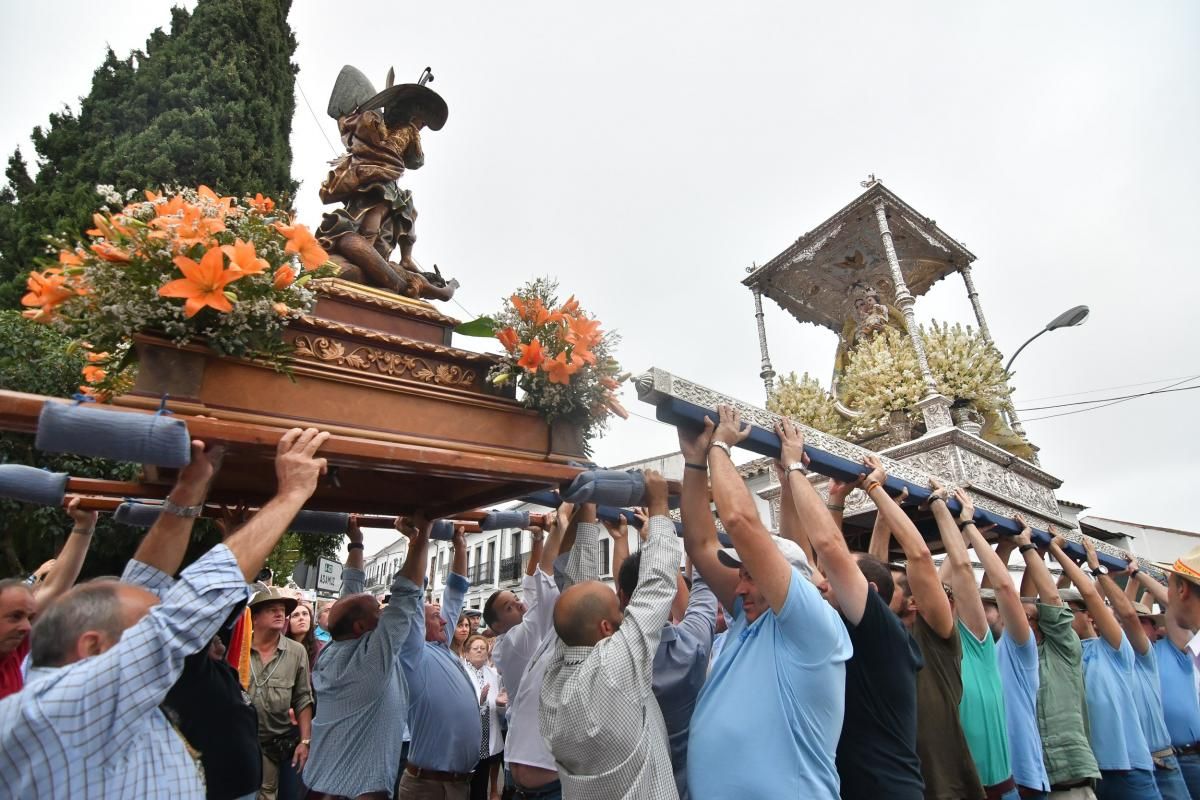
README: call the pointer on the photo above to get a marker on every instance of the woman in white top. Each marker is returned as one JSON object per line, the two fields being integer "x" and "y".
{"x": 486, "y": 783}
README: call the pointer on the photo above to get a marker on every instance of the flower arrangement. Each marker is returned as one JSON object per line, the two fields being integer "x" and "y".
{"x": 186, "y": 265}
{"x": 803, "y": 400}
{"x": 883, "y": 374}
{"x": 967, "y": 367}
{"x": 557, "y": 355}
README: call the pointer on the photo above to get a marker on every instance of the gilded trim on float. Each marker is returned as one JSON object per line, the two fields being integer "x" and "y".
{"x": 371, "y": 359}
{"x": 380, "y": 298}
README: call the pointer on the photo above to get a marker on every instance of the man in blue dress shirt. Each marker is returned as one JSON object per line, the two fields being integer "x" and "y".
{"x": 443, "y": 711}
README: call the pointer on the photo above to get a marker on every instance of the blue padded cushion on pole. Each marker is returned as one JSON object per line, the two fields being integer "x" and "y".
{"x": 609, "y": 487}
{"x": 674, "y": 411}
{"x": 320, "y": 522}
{"x": 499, "y": 520}
{"x": 83, "y": 429}
{"x": 443, "y": 530}
{"x": 139, "y": 515}
{"x": 32, "y": 485}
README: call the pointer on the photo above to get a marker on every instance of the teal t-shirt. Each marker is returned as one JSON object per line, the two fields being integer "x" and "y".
{"x": 982, "y": 708}
{"x": 767, "y": 721}
{"x": 1147, "y": 694}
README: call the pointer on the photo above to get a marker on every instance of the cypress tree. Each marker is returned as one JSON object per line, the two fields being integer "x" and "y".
{"x": 209, "y": 102}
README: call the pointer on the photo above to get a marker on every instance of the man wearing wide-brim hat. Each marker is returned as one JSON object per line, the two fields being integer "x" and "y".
{"x": 279, "y": 682}
{"x": 1183, "y": 588}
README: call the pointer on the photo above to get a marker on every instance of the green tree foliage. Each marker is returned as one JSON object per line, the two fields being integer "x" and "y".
{"x": 210, "y": 102}
{"x": 296, "y": 547}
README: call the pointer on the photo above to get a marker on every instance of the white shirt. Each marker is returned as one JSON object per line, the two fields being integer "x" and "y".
{"x": 515, "y": 648}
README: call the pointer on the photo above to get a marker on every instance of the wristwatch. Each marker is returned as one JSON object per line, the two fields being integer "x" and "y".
{"x": 1099, "y": 570}
{"x": 1025, "y": 548}
{"x": 305, "y": 742}
{"x": 723, "y": 446}
{"x": 187, "y": 512}
{"x": 795, "y": 465}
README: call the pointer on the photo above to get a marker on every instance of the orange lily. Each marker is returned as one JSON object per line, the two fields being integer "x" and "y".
{"x": 560, "y": 370}
{"x": 203, "y": 284}
{"x": 46, "y": 290}
{"x": 171, "y": 207}
{"x": 521, "y": 307}
{"x": 303, "y": 243}
{"x": 263, "y": 205}
{"x": 284, "y": 276}
{"x": 584, "y": 332}
{"x": 508, "y": 337}
{"x": 542, "y": 315}
{"x": 571, "y": 306}
{"x": 108, "y": 252}
{"x": 195, "y": 228}
{"x": 532, "y": 356}
{"x": 583, "y": 354}
{"x": 243, "y": 258}
{"x": 93, "y": 374}
{"x": 152, "y": 197}
{"x": 222, "y": 203}
{"x": 69, "y": 258}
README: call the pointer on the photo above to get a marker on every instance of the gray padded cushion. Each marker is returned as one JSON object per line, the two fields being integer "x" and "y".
{"x": 139, "y": 515}
{"x": 32, "y": 485}
{"x": 320, "y": 522}
{"x": 84, "y": 429}
{"x": 608, "y": 487}
{"x": 499, "y": 520}
{"x": 443, "y": 530}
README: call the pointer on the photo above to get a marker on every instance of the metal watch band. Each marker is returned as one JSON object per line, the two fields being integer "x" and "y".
{"x": 723, "y": 446}
{"x": 795, "y": 465}
{"x": 187, "y": 512}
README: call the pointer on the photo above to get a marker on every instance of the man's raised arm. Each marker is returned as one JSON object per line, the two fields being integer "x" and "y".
{"x": 968, "y": 606}
{"x": 69, "y": 561}
{"x": 1008, "y": 600}
{"x": 1122, "y": 606}
{"x": 1106, "y": 624}
{"x": 761, "y": 558}
{"x": 1035, "y": 566}
{"x": 699, "y": 529}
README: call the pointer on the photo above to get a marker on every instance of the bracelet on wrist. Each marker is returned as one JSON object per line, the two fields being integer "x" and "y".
{"x": 963, "y": 523}
{"x": 700, "y": 467}
{"x": 1025, "y": 548}
{"x": 871, "y": 486}
{"x": 721, "y": 446}
{"x": 356, "y": 546}
{"x": 835, "y": 506}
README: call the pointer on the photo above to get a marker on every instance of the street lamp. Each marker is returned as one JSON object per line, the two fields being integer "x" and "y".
{"x": 1068, "y": 319}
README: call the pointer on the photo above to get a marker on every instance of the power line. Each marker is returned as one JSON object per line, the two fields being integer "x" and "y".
{"x": 1106, "y": 399}
{"x": 1116, "y": 401}
{"x": 1102, "y": 389}
{"x": 332, "y": 149}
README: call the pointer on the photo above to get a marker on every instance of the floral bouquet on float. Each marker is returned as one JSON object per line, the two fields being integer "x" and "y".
{"x": 186, "y": 265}
{"x": 557, "y": 355}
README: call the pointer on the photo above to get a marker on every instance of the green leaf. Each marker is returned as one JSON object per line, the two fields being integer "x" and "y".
{"x": 484, "y": 327}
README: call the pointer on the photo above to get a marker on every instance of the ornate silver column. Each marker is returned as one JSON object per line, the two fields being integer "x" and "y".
{"x": 973, "y": 296}
{"x": 767, "y": 372}
{"x": 935, "y": 408}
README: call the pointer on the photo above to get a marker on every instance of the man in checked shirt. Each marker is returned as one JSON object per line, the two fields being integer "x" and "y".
{"x": 87, "y": 723}
{"x": 598, "y": 712}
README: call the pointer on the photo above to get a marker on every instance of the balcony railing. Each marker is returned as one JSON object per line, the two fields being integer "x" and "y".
{"x": 482, "y": 573}
{"x": 512, "y": 567}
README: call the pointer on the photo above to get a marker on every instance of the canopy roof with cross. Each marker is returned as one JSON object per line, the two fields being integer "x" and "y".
{"x": 810, "y": 278}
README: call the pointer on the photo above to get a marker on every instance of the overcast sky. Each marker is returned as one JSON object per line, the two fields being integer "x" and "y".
{"x": 646, "y": 153}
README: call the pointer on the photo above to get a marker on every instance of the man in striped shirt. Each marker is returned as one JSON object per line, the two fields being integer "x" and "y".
{"x": 87, "y": 723}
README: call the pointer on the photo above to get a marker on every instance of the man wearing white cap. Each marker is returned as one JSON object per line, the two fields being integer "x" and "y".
{"x": 781, "y": 677}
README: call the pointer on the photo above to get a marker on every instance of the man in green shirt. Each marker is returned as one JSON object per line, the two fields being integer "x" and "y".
{"x": 1061, "y": 703}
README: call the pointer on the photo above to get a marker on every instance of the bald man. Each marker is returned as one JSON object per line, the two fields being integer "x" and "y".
{"x": 362, "y": 695}
{"x": 598, "y": 712}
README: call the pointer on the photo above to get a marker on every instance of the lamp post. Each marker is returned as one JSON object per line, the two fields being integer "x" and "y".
{"x": 1068, "y": 319}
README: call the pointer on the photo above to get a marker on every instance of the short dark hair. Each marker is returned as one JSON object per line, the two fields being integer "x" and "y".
{"x": 14, "y": 583}
{"x": 878, "y": 573}
{"x": 489, "y": 608}
{"x": 627, "y": 577}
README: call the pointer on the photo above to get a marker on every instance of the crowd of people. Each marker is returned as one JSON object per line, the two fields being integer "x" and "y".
{"x": 775, "y": 664}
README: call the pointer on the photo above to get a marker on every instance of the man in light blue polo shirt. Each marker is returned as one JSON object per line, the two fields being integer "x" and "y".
{"x": 443, "y": 711}
{"x": 767, "y": 722}
{"x": 1126, "y": 769}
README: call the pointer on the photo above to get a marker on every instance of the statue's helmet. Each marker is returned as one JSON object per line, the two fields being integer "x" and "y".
{"x": 353, "y": 92}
